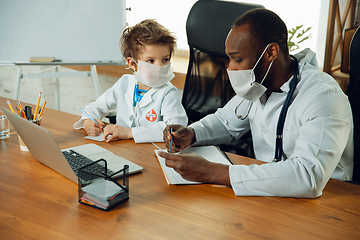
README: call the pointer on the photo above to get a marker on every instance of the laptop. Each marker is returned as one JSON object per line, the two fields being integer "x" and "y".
{"x": 44, "y": 148}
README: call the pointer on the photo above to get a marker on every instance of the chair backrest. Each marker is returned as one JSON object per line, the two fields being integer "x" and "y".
{"x": 353, "y": 92}
{"x": 207, "y": 86}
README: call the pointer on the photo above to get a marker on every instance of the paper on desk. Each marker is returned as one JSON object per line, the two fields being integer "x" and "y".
{"x": 103, "y": 189}
{"x": 171, "y": 176}
{"x": 211, "y": 153}
{"x": 99, "y": 138}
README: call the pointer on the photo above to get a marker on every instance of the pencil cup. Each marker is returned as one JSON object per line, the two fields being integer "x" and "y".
{"x": 4, "y": 126}
{"x": 23, "y": 147}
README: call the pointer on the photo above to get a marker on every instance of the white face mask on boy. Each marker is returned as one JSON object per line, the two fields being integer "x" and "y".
{"x": 153, "y": 75}
{"x": 244, "y": 82}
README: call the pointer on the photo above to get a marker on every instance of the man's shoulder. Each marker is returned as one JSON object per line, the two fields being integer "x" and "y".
{"x": 319, "y": 91}
{"x": 314, "y": 80}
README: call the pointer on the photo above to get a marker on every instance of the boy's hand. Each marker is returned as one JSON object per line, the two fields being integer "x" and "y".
{"x": 114, "y": 132}
{"x": 92, "y": 128}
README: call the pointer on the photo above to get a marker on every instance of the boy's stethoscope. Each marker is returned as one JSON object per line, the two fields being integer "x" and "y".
{"x": 281, "y": 121}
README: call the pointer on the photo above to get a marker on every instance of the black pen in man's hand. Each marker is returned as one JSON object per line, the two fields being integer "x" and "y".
{"x": 171, "y": 140}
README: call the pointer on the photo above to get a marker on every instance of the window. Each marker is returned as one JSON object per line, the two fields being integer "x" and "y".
{"x": 173, "y": 14}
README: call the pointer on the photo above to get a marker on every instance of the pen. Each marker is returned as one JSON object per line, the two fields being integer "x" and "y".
{"x": 21, "y": 109}
{"x": 87, "y": 115}
{"x": 37, "y": 106}
{"x": 8, "y": 102}
{"x": 171, "y": 140}
{"x": 23, "y": 114}
{"x": 18, "y": 111}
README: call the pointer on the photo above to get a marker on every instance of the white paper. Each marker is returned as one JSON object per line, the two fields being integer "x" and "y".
{"x": 99, "y": 138}
{"x": 211, "y": 153}
{"x": 102, "y": 189}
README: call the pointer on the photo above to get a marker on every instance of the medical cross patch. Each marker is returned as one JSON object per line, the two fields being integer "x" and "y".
{"x": 151, "y": 115}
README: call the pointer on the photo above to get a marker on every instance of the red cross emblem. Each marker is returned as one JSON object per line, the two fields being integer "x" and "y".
{"x": 151, "y": 115}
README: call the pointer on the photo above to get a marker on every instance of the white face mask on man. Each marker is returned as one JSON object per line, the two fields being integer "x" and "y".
{"x": 244, "y": 82}
{"x": 153, "y": 75}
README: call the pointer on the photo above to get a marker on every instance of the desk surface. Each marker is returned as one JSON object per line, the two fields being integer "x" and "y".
{"x": 38, "y": 203}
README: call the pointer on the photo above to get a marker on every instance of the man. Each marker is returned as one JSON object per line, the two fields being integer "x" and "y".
{"x": 317, "y": 136}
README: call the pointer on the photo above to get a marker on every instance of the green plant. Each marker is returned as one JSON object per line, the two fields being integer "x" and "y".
{"x": 297, "y": 36}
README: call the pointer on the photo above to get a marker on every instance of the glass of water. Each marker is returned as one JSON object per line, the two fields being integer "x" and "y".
{"x": 4, "y": 126}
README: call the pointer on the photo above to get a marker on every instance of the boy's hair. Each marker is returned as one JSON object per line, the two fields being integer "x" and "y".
{"x": 266, "y": 27}
{"x": 144, "y": 33}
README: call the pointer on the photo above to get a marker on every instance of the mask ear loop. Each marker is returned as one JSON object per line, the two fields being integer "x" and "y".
{"x": 262, "y": 54}
{"x": 128, "y": 67}
{"x": 267, "y": 71}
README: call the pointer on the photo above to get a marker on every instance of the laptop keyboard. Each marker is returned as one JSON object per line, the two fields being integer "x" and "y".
{"x": 77, "y": 160}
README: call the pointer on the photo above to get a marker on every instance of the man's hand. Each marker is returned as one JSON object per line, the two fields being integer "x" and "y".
{"x": 182, "y": 137}
{"x": 195, "y": 168}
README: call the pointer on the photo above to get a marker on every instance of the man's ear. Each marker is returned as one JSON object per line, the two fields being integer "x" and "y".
{"x": 272, "y": 52}
{"x": 131, "y": 63}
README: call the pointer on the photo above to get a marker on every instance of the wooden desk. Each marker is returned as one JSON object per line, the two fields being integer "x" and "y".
{"x": 38, "y": 203}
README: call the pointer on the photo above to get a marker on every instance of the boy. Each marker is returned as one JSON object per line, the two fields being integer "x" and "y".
{"x": 145, "y": 102}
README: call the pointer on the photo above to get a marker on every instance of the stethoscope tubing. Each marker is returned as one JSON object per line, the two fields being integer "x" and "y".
{"x": 284, "y": 109}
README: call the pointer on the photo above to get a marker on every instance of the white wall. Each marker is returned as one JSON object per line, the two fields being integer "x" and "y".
{"x": 173, "y": 14}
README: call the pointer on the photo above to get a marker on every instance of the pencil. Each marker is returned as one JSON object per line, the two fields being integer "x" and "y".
{"x": 8, "y": 102}
{"x": 42, "y": 109}
{"x": 37, "y": 106}
{"x": 87, "y": 115}
{"x": 21, "y": 109}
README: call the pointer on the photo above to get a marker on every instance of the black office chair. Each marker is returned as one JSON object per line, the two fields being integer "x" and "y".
{"x": 207, "y": 86}
{"x": 353, "y": 92}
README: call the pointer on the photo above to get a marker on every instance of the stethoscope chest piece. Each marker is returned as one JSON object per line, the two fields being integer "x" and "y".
{"x": 247, "y": 113}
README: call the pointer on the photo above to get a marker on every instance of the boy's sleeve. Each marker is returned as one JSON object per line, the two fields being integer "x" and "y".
{"x": 101, "y": 107}
{"x": 172, "y": 110}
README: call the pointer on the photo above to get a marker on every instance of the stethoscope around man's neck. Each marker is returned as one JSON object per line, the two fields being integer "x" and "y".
{"x": 281, "y": 121}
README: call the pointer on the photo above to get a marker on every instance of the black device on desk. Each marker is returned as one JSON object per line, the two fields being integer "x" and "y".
{"x": 28, "y": 112}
